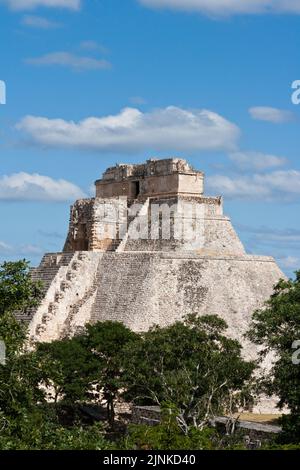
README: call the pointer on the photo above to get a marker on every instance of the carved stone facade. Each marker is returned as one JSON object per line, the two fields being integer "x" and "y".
{"x": 172, "y": 176}
{"x": 162, "y": 196}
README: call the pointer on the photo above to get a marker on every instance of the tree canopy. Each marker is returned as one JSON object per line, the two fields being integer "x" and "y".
{"x": 191, "y": 369}
{"x": 276, "y": 327}
{"x": 191, "y": 365}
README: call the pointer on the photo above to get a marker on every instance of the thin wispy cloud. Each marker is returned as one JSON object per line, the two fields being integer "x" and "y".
{"x": 167, "y": 129}
{"x": 289, "y": 262}
{"x": 278, "y": 185}
{"x": 34, "y": 187}
{"x": 265, "y": 235}
{"x": 66, "y": 59}
{"x": 20, "y": 5}
{"x": 281, "y": 243}
{"x": 219, "y": 8}
{"x": 5, "y": 248}
{"x": 93, "y": 46}
{"x": 256, "y": 160}
{"x": 30, "y": 250}
{"x": 284, "y": 244}
{"x": 269, "y": 114}
{"x": 39, "y": 22}
{"x": 46, "y": 234}
{"x": 20, "y": 250}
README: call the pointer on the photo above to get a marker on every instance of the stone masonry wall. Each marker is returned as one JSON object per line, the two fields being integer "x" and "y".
{"x": 155, "y": 177}
{"x": 141, "y": 289}
{"x": 215, "y": 233}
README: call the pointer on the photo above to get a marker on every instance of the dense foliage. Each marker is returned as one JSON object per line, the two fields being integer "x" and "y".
{"x": 86, "y": 367}
{"x": 277, "y": 328}
{"x": 27, "y": 419}
{"x": 17, "y": 290}
{"x": 168, "y": 436}
{"x": 192, "y": 365}
{"x": 63, "y": 394}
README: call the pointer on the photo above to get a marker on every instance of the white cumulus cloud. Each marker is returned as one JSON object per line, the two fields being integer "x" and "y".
{"x": 227, "y": 7}
{"x": 66, "y": 59}
{"x": 277, "y": 185}
{"x": 256, "y": 160}
{"x": 34, "y": 187}
{"x": 269, "y": 114}
{"x": 168, "y": 129}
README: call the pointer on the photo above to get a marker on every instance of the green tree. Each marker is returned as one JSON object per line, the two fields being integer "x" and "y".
{"x": 18, "y": 292}
{"x": 27, "y": 419}
{"x": 88, "y": 366}
{"x": 41, "y": 430}
{"x": 18, "y": 387}
{"x": 191, "y": 365}
{"x": 106, "y": 341}
{"x": 66, "y": 368}
{"x": 276, "y": 327}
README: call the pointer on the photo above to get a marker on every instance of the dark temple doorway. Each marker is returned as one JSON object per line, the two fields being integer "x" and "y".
{"x": 135, "y": 189}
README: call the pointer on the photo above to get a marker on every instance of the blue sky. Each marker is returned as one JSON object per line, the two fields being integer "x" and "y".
{"x": 95, "y": 82}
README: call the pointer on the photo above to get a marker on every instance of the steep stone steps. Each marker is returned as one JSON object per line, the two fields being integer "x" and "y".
{"x": 45, "y": 272}
{"x": 70, "y": 291}
{"x": 74, "y": 309}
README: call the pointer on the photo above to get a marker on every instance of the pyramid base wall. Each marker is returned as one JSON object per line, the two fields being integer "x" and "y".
{"x": 141, "y": 289}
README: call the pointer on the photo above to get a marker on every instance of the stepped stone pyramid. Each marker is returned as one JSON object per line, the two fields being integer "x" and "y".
{"x": 148, "y": 249}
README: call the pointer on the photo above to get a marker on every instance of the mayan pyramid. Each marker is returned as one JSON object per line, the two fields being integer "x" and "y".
{"x": 148, "y": 249}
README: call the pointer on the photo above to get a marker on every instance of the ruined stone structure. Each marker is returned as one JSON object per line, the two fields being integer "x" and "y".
{"x": 149, "y": 249}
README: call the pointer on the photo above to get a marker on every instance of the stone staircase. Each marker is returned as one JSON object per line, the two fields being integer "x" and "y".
{"x": 49, "y": 267}
{"x": 74, "y": 309}
{"x": 70, "y": 288}
{"x": 143, "y": 212}
{"x": 114, "y": 245}
{"x": 45, "y": 272}
{"x": 118, "y": 244}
